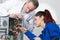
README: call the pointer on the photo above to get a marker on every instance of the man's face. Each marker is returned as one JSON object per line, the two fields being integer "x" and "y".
{"x": 28, "y": 7}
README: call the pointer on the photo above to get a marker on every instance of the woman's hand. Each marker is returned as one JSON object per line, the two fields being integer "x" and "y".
{"x": 22, "y": 29}
{"x": 37, "y": 38}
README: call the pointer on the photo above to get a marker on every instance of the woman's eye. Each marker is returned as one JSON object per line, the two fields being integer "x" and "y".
{"x": 34, "y": 19}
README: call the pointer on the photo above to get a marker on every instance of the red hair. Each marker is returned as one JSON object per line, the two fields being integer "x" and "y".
{"x": 48, "y": 17}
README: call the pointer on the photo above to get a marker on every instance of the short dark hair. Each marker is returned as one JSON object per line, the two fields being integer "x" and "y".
{"x": 40, "y": 13}
{"x": 35, "y": 2}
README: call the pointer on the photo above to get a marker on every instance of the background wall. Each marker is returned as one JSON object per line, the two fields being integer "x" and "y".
{"x": 1, "y": 1}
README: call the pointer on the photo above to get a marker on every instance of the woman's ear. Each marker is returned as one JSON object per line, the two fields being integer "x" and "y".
{"x": 42, "y": 17}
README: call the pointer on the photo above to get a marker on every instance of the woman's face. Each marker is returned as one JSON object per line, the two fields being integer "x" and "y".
{"x": 38, "y": 21}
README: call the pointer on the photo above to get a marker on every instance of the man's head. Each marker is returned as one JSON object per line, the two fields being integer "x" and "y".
{"x": 30, "y": 5}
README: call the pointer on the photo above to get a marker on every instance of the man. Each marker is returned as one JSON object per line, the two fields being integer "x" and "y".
{"x": 17, "y": 8}
{"x": 26, "y": 13}
{"x": 22, "y": 10}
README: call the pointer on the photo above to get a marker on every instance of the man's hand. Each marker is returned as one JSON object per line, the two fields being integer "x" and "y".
{"x": 18, "y": 15}
{"x": 12, "y": 15}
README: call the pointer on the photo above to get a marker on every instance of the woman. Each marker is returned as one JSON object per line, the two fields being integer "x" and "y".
{"x": 51, "y": 30}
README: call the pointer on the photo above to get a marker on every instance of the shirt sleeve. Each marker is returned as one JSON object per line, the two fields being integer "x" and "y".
{"x": 29, "y": 26}
{"x": 30, "y": 35}
{"x": 29, "y": 23}
{"x": 44, "y": 35}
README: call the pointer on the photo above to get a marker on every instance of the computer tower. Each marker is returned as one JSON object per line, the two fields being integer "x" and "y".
{"x": 4, "y": 24}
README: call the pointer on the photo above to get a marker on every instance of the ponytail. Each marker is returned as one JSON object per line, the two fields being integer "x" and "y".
{"x": 48, "y": 17}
